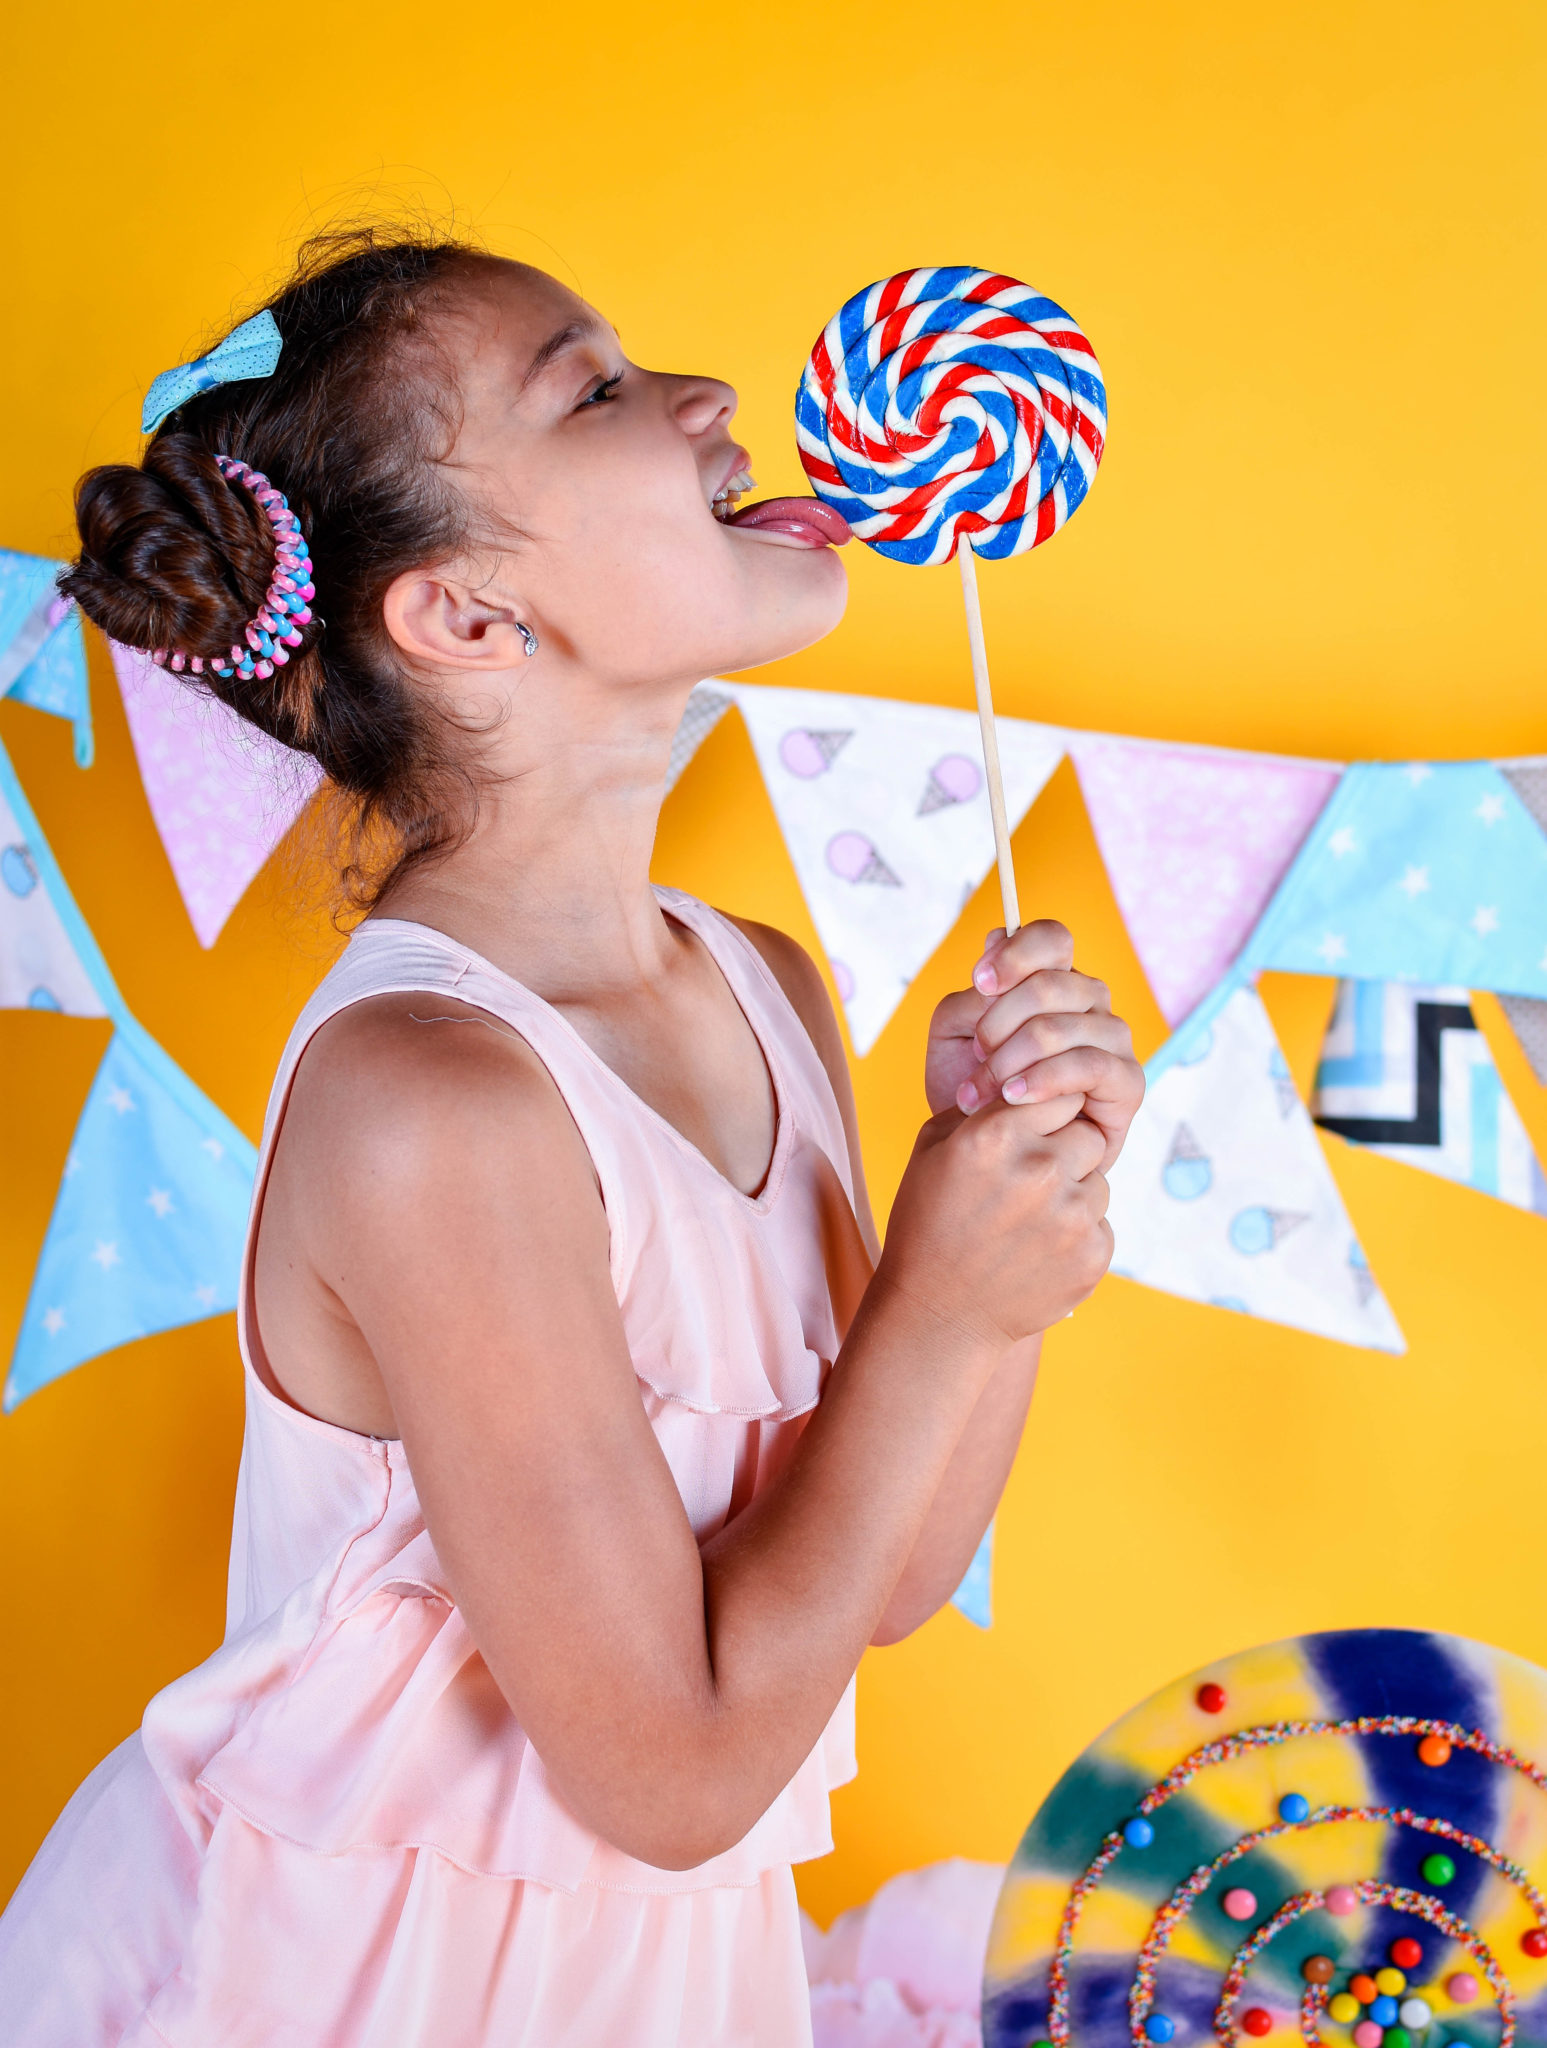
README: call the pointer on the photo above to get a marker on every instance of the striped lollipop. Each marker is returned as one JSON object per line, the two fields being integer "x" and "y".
{"x": 954, "y": 411}
{"x": 950, "y": 400}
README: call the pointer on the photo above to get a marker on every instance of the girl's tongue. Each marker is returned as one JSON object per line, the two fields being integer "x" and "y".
{"x": 803, "y": 522}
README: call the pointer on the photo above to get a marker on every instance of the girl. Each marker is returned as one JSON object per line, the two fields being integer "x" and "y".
{"x": 589, "y": 1438}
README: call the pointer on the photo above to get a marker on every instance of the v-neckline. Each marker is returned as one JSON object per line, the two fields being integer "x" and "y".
{"x": 674, "y": 905}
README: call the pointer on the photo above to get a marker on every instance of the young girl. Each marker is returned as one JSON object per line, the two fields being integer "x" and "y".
{"x": 589, "y": 1439}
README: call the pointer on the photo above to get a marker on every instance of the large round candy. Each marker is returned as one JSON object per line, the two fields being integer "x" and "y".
{"x": 1095, "y": 1938}
{"x": 951, "y": 400}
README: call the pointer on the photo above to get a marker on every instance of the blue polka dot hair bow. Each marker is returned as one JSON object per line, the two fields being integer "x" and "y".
{"x": 251, "y": 350}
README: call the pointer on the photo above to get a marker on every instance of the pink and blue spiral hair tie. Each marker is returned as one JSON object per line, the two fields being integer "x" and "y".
{"x": 275, "y": 628}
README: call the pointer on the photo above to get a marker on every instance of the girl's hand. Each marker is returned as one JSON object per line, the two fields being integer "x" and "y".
{"x": 1033, "y": 1031}
{"x": 998, "y": 1229}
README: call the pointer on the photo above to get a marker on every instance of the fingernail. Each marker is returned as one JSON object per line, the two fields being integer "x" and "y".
{"x": 1015, "y": 1088}
{"x": 984, "y": 978}
{"x": 967, "y": 1098}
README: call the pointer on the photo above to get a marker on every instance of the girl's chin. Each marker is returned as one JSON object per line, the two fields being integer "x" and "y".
{"x": 798, "y": 625}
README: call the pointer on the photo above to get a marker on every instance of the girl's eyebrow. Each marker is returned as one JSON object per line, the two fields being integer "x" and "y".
{"x": 563, "y": 339}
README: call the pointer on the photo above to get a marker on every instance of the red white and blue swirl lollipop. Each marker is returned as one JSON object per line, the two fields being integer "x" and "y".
{"x": 954, "y": 411}
{"x": 946, "y": 401}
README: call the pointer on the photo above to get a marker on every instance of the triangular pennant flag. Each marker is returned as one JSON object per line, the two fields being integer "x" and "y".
{"x": 705, "y": 708}
{"x": 884, "y": 811}
{"x": 42, "y": 648}
{"x": 1222, "y": 1193}
{"x": 1433, "y": 872}
{"x": 1528, "y": 779}
{"x": 41, "y": 964}
{"x": 222, "y": 793}
{"x": 148, "y": 1225}
{"x": 1405, "y": 1071}
{"x": 1195, "y": 841}
{"x": 973, "y": 1596}
{"x": 1528, "y": 1020}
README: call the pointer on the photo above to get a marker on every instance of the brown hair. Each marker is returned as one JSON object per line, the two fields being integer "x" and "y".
{"x": 354, "y": 427}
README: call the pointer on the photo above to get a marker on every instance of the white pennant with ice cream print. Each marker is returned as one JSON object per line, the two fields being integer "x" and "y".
{"x": 883, "y": 808}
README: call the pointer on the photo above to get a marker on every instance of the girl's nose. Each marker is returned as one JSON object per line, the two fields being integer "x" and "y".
{"x": 702, "y": 403}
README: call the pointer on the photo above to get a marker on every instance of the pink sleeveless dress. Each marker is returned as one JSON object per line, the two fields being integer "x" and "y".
{"x": 333, "y": 1833}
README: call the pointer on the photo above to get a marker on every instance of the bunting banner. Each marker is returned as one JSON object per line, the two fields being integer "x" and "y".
{"x": 223, "y": 794}
{"x": 972, "y": 1596}
{"x": 706, "y": 706}
{"x": 1417, "y": 882}
{"x": 147, "y": 1229}
{"x": 40, "y": 964}
{"x": 1406, "y": 1072}
{"x": 884, "y": 811}
{"x": 1223, "y": 1195}
{"x": 1528, "y": 1020}
{"x": 1433, "y": 872}
{"x": 1195, "y": 841}
{"x": 42, "y": 647}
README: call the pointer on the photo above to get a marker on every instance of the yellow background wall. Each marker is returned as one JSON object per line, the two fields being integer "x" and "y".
{"x": 1305, "y": 238}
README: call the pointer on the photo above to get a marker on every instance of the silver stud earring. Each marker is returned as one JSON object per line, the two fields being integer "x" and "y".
{"x": 528, "y": 639}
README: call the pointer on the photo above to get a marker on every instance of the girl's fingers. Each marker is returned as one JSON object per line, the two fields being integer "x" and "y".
{"x": 1024, "y": 1068}
{"x": 1043, "y": 944}
{"x": 1043, "y": 1035}
{"x": 957, "y": 1015}
{"x": 1108, "y": 1086}
{"x": 1050, "y": 991}
{"x": 1105, "y": 1079}
{"x": 1042, "y": 1117}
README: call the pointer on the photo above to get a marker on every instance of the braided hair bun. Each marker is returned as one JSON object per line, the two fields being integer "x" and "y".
{"x": 352, "y": 426}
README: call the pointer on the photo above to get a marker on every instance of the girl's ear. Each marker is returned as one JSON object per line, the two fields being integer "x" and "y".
{"x": 435, "y": 617}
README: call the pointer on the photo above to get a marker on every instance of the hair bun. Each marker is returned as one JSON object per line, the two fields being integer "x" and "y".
{"x": 171, "y": 555}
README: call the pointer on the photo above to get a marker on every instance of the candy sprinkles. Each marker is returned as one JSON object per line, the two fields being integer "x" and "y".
{"x": 1241, "y": 1932}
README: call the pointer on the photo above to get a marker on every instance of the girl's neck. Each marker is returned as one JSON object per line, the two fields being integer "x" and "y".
{"x": 552, "y": 882}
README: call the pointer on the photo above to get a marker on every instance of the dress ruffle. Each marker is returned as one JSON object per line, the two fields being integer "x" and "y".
{"x": 376, "y": 1724}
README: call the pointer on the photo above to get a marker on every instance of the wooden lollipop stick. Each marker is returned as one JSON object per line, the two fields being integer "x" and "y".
{"x": 969, "y": 569}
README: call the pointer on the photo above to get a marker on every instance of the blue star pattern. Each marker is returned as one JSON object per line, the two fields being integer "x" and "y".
{"x": 42, "y": 648}
{"x": 1432, "y": 872}
{"x": 971, "y": 1597}
{"x": 151, "y": 1215}
{"x": 148, "y": 1226}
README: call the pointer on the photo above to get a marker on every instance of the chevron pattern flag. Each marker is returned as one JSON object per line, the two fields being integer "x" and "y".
{"x": 1406, "y": 1072}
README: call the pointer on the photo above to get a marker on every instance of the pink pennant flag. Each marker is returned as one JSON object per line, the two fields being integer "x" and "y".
{"x": 1195, "y": 840}
{"x": 222, "y": 793}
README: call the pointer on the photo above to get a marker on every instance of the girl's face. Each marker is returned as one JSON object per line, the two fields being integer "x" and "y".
{"x": 609, "y": 474}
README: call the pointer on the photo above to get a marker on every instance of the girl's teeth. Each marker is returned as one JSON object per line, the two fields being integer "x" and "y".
{"x": 723, "y": 503}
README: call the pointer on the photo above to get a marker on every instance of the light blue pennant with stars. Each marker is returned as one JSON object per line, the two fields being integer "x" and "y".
{"x": 148, "y": 1225}
{"x": 42, "y": 648}
{"x": 1429, "y": 872}
{"x": 973, "y": 1597}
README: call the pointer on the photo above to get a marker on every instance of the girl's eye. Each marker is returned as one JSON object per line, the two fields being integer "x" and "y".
{"x": 601, "y": 393}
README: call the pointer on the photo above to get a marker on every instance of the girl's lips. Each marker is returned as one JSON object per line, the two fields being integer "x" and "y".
{"x": 806, "y": 522}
